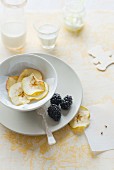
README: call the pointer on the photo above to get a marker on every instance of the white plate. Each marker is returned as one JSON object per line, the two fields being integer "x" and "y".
{"x": 29, "y": 123}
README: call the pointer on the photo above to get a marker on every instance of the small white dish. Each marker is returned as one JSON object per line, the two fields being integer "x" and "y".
{"x": 14, "y": 66}
{"x": 29, "y": 123}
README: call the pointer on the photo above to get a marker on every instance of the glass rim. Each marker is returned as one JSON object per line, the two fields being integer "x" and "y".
{"x": 11, "y": 5}
{"x": 48, "y": 24}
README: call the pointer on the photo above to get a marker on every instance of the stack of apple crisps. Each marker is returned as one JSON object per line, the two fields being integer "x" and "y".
{"x": 28, "y": 86}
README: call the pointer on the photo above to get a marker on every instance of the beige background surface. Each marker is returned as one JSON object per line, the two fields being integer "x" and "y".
{"x": 52, "y": 5}
{"x": 47, "y": 5}
{"x": 71, "y": 151}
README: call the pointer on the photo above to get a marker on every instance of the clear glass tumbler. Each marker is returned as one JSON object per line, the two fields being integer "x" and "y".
{"x": 48, "y": 34}
{"x": 74, "y": 13}
{"x": 13, "y": 26}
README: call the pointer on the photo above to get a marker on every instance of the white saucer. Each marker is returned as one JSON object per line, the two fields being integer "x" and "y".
{"x": 29, "y": 123}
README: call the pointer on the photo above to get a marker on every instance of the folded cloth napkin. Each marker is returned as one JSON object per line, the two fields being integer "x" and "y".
{"x": 100, "y": 133}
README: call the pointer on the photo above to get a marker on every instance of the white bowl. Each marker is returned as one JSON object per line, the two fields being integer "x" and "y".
{"x": 15, "y": 65}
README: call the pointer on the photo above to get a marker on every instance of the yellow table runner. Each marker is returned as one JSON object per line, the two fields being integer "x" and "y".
{"x": 18, "y": 152}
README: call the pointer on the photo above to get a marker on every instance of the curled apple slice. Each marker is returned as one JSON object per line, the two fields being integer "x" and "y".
{"x": 11, "y": 80}
{"x": 32, "y": 86}
{"x": 41, "y": 95}
{"x": 17, "y": 95}
{"x": 28, "y": 72}
{"x": 82, "y": 119}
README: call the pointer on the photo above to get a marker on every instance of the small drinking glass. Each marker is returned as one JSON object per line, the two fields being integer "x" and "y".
{"x": 48, "y": 34}
{"x": 74, "y": 13}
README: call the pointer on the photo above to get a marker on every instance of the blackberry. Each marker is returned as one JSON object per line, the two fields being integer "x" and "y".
{"x": 68, "y": 98}
{"x": 56, "y": 99}
{"x": 54, "y": 112}
{"x": 66, "y": 103}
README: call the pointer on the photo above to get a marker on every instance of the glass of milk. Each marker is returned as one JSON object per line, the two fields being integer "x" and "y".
{"x": 13, "y": 26}
{"x": 74, "y": 13}
{"x": 47, "y": 34}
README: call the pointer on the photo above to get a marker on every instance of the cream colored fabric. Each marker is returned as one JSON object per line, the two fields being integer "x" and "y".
{"x": 18, "y": 152}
